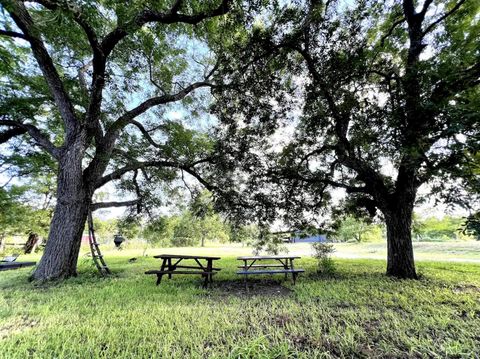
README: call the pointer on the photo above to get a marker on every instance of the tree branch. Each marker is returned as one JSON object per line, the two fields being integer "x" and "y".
{"x": 200, "y": 179}
{"x": 22, "y": 18}
{"x": 98, "y": 205}
{"x": 134, "y": 166}
{"x": 14, "y": 132}
{"x": 443, "y": 17}
{"x": 36, "y": 134}
{"x": 106, "y": 145}
{"x": 78, "y": 17}
{"x": 346, "y": 157}
{"x": 170, "y": 17}
{"x": 145, "y": 133}
{"x": 425, "y": 7}
{"x": 176, "y": 6}
{"x": 114, "y": 37}
{"x": 390, "y": 31}
{"x": 409, "y": 10}
{"x": 463, "y": 80}
{"x": 12, "y": 34}
{"x": 146, "y": 105}
{"x": 326, "y": 181}
{"x": 98, "y": 61}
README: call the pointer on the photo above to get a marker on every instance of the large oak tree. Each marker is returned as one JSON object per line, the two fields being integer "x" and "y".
{"x": 374, "y": 98}
{"x": 92, "y": 85}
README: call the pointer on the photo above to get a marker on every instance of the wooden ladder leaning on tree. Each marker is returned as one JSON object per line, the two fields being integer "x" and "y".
{"x": 95, "y": 248}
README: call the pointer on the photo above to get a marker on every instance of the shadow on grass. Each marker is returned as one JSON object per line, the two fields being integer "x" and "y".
{"x": 345, "y": 275}
{"x": 256, "y": 287}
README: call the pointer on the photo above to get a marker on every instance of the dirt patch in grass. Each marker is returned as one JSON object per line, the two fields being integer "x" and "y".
{"x": 17, "y": 325}
{"x": 466, "y": 289}
{"x": 256, "y": 287}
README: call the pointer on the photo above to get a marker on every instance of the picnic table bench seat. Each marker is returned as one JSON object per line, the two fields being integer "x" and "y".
{"x": 271, "y": 271}
{"x": 266, "y": 265}
{"x": 248, "y": 258}
{"x": 195, "y": 267}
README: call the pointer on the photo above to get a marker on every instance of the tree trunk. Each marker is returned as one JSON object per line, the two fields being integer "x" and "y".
{"x": 31, "y": 243}
{"x": 2, "y": 242}
{"x": 59, "y": 259}
{"x": 400, "y": 260}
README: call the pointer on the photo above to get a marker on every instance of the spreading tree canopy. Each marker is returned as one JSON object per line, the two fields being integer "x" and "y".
{"x": 375, "y": 98}
{"x": 93, "y": 86}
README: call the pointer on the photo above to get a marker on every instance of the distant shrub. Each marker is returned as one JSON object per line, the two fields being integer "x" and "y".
{"x": 351, "y": 229}
{"x": 471, "y": 226}
{"x": 184, "y": 241}
{"x": 434, "y": 229}
{"x": 264, "y": 241}
{"x": 322, "y": 252}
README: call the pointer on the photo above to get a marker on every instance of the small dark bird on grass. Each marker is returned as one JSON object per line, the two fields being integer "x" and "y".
{"x": 131, "y": 260}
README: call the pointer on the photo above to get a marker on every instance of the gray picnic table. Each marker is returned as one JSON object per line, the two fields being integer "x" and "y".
{"x": 255, "y": 265}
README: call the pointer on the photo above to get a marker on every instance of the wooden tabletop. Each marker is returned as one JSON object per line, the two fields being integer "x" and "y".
{"x": 266, "y": 257}
{"x": 183, "y": 256}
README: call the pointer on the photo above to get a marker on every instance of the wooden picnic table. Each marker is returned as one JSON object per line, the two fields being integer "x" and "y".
{"x": 284, "y": 262}
{"x": 203, "y": 265}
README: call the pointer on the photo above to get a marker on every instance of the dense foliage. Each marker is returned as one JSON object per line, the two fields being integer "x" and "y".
{"x": 97, "y": 88}
{"x": 373, "y": 98}
{"x": 19, "y": 218}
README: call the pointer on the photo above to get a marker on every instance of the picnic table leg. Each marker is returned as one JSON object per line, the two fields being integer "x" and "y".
{"x": 205, "y": 276}
{"x": 159, "y": 276}
{"x": 293, "y": 273}
{"x": 170, "y": 268}
{"x": 245, "y": 276}
{"x": 210, "y": 269}
{"x": 285, "y": 266}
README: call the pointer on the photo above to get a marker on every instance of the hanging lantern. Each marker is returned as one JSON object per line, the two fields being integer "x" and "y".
{"x": 118, "y": 240}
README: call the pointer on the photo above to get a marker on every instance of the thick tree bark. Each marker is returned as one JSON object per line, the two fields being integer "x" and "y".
{"x": 400, "y": 260}
{"x": 73, "y": 199}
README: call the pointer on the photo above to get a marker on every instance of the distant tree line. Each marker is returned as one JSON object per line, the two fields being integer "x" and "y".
{"x": 20, "y": 221}
{"x": 178, "y": 230}
{"x": 447, "y": 228}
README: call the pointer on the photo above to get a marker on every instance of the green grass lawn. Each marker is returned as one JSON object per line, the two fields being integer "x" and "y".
{"x": 358, "y": 312}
